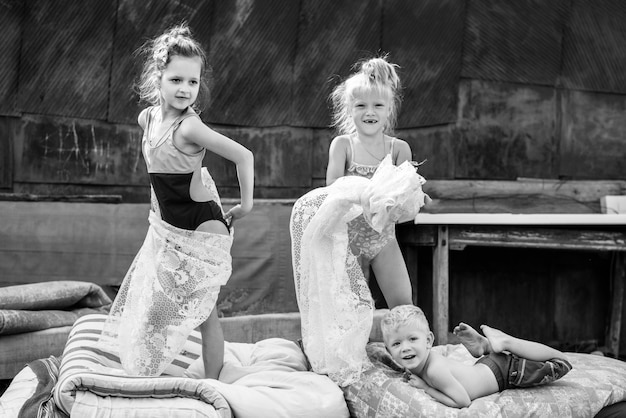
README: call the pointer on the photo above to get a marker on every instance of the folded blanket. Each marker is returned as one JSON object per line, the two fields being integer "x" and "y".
{"x": 38, "y": 306}
{"x": 266, "y": 379}
{"x": 41, "y": 405}
{"x": 65, "y": 295}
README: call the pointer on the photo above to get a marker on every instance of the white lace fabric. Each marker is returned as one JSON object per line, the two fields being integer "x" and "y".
{"x": 170, "y": 289}
{"x": 330, "y": 228}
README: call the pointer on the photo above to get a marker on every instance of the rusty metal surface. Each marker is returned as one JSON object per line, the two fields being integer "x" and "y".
{"x": 594, "y": 57}
{"x": 332, "y": 36}
{"x": 516, "y": 41}
{"x": 251, "y": 52}
{"x": 426, "y": 39}
{"x": 66, "y": 58}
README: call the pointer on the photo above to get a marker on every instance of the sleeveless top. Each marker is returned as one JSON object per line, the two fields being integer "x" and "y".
{"x": 363, "y": 170}
{"x": 171, "y": 171}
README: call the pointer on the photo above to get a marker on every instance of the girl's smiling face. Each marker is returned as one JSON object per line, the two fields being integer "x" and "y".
{"x": 370, "y": 111}
{"x": 409, "y": 345}
{"x": 180, "y": 82}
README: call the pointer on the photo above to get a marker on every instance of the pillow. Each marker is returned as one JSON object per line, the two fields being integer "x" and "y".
{"x": 593, "y": 383}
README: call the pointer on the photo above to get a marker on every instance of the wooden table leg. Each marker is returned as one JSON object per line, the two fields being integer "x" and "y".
{"x": 618, "y": 275}
{"x": 440, "y": 286}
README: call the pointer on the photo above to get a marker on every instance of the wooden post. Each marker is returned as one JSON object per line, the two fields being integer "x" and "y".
{"x": 440, "y": 286}
{"x": 618, "y": 275}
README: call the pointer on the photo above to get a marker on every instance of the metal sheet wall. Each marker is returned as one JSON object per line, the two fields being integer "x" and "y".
{"x": 594, "y": 57}
{"x": 66, "y": 58}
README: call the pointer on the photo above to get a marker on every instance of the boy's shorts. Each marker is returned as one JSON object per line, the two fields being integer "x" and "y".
{"x": 512, "y": 371}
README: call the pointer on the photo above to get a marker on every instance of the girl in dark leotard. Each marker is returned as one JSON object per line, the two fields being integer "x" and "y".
{"x": 173, "y": 283}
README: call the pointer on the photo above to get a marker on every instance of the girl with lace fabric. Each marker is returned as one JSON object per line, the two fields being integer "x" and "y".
{"x": 365, "y": 107}
{"x": 351, "y": 219}
{"x": 173, "y": 283}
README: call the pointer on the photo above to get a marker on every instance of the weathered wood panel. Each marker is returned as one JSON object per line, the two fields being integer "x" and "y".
{"x": 522, "y": 196}
{"x": 514, "y": 41}
{"x": 252, "y": 48}
{"x": 7, "y": 128}
{"x": 507, "y": 131}
{"x": 283, "y": 157}
{"x": 10, "y": 19}
{"x": 426, "y": 39}
{"x": 593, "y": 144}
{"x": 594, "y": 57}
{"x": 437, "y": 145}
{"x": 332, "y": 36}
{"x": 555, "y": 297}
{"x": 137, "y": 21}
{"x": 321, "y": 144}
{"x": 66, "y": 58}
{"x": 588, "y": 239}
{"x": 57, "y": 150}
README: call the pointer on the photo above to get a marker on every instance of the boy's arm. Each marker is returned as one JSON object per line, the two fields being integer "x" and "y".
{"x": 446, "y": 388}
{"x": 419, "y": 383}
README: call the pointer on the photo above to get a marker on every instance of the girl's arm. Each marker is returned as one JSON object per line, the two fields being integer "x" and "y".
{"x": 337, "y": 157}
{"x": 404, "y": 152}
{"x": 193, "y": 130}
{"x": 142, "y": 119}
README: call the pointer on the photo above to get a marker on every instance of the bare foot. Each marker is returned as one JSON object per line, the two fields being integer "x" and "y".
{"x": 475, "y": 343}
{"x": 497, "y": 339}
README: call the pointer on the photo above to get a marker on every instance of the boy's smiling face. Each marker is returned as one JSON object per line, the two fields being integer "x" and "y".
{"x": 409, "y": 345}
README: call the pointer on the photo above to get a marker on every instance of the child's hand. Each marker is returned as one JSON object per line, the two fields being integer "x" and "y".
{"x": 417, "y": 382}
{"x": 236, "y": 212}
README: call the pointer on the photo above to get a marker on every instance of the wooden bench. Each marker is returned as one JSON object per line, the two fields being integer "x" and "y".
{"x": 544, "y": 214}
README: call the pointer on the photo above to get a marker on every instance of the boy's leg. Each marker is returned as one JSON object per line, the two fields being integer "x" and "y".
{"x": 475, "y": 343}
{"x": 212, "y": 346}
{"x": 392, "y": 275}
{"x": 530, "y": 350}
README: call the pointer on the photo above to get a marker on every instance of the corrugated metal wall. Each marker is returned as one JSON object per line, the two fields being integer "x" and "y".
{"x": 493, "y": 89}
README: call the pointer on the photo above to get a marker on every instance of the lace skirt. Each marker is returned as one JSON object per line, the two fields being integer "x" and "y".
{"x": 331, "y": 227}
{"x": 171, "y": 288}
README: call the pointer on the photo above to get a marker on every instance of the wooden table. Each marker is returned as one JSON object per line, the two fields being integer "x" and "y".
{"x": 596, "y": 232}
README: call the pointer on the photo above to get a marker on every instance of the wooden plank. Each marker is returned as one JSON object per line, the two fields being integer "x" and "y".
{"x": 529, "y": 237}
{"x": 593, "y": 53}
{"x": 522, "y": 196}
{"x": 328, "y": 46}
{"x": 518, "y": 41}
{"x": 426, "y": 39}
{"x": 26, "y": 197}
{"x": 66, "y": 58}
{"x": 441, "y": 288}
{"x": 252, "y": 49}
{"x": 11, "y": 24}
{"x": 617, "y": 303}
{"x": 574, "y": 220}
